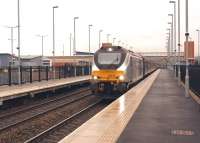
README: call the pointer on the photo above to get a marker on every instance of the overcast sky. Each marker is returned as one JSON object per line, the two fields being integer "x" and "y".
{"x": 139, "y": 23}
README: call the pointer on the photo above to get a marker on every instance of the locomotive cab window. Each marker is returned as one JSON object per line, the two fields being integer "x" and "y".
{"x": 109, "y": 58}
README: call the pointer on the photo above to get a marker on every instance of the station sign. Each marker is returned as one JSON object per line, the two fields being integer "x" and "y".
{"x": 189, "y": 46}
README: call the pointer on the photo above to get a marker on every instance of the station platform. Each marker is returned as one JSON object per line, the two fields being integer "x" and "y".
{"x": 154, "y": 111}
{"x": 15, "y": 91}
{"x": 165, "y": 115}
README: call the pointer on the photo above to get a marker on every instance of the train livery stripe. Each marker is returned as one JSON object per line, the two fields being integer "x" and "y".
{"x": 108, "y": 75}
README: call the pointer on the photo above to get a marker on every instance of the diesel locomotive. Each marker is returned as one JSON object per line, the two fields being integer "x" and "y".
{"x": 116, "y": 68}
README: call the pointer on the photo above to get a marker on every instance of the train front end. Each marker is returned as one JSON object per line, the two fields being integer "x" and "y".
{"x": 107, "y": 76}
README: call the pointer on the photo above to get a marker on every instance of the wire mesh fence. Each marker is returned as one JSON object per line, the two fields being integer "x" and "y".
{"x": 29, "y": 74}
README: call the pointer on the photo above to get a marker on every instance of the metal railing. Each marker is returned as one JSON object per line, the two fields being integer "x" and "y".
{"x": 194, "y": 77}
{"x": 29, "y": 74}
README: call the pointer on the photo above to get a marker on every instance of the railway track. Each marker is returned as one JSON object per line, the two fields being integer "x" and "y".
{"x": 19, "y": 111}
{"x": 61, "y": 129}
{"x": 12, "y": 119}
{"x": 30, "y": 126}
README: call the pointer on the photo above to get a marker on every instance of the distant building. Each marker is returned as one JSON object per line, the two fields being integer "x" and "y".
{"x": 84, "y": 53}
{"x": 6, "y": 59}
{"x": 72, "y": 60}
{"x": 31, "y": 60}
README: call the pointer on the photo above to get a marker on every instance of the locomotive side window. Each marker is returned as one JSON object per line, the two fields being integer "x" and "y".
{"x": 109, "y": 58}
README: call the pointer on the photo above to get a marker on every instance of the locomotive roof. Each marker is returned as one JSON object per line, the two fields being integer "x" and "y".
{"x": 121, "y": 48}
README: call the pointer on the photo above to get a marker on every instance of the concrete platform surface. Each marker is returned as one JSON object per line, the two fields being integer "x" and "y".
{"x": 107, "y": 125}
{"x": 164, "y": 116}
{"x": 10, "y": 92}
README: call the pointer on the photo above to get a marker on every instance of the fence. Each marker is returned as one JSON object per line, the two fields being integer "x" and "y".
{"x": 9, "y": 75}
{"x": 194, "y": 77}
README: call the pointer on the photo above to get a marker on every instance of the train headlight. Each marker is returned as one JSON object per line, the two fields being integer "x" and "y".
{"x": 121, "y": 77}
{"x": 95, "y": 77}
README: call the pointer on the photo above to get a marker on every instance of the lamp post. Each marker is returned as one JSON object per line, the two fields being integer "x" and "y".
{"x": 114, "y": 40}
{"x": 70, "y": 44}
{"x": 174, "y": 50}
{"x": 179, "y": 44}
{"x": 89, "y": 28}
{"x": 108, "y": 35}
{"x": 74, "y": 48}
{"x": 100, "y": 38}
{"x": 54, "y": 70}
{"x": 169, "y": 40}
{"x": 198, "y": 31}
{"x": 42, "y": 40}
{"x": 18, "y": 47}
{"x": 167, "y": 44}
{"x": 63, "y": 52}
{"x": 186, "y": 52}
{"x": 172, "y": 35}
{"x": 12, "y": 40}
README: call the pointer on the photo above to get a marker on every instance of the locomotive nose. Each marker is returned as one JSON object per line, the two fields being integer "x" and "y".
{"x": 108, "y": 75}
